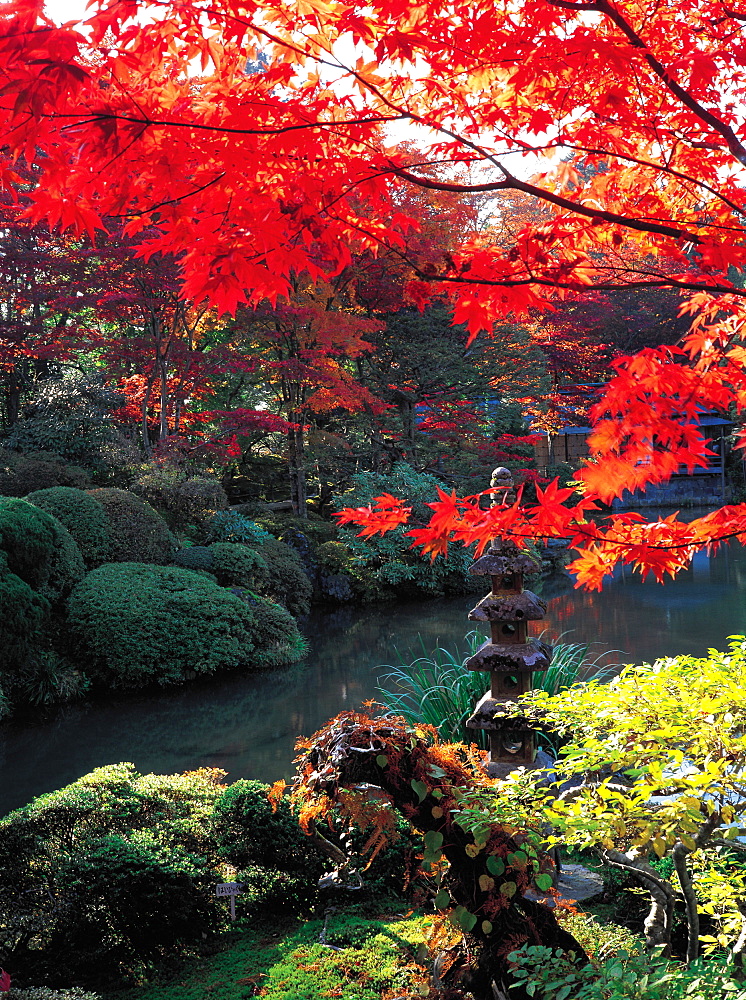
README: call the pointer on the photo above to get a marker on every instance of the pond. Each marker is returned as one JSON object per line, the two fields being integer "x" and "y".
{"x": 248, "y": 725}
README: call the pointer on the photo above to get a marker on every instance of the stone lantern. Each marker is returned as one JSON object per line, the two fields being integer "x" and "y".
{"x": 510, "y": 656}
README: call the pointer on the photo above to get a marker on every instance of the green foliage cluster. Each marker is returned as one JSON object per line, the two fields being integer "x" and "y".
{"x": 279, "y": 864}
{"x": 71, "y": 418}
{"x": 107, "y": 874}
{"x": 83, "y": 516}
{"x": 238, "y": 566}
{"x": 384, "y": 566}
{"x": 134, "y": 624}
{"x": 21, "y": 474}
{"x": 185, "y": 501}
{"x": 287, "y": 583}
{"x": 115, "y": 873}
{"x": 549, "y": 974}
{"x": 39, "y": 565}
{"x": 230, "y": 526}
{"x": 138, "y": 533}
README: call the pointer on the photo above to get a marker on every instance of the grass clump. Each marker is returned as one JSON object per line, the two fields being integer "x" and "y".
{"x": 435, "y": 689}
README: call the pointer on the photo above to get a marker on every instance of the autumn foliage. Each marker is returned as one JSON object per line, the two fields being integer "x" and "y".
{"x": 254, "y": 142}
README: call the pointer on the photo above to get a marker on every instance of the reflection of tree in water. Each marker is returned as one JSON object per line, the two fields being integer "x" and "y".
{"x": 248, "y": 724}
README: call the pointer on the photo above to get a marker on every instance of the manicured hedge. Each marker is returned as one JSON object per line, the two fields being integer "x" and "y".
{"x": 138, "y": 533}
{"x": 83, "y": 516}
{"x": 136, "y": 624}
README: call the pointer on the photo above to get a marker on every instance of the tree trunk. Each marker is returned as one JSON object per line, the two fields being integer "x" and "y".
{"x": 484, "y": 880}
{"x": 297, "y": 470}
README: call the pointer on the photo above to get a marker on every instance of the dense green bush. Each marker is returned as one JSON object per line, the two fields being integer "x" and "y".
{"x": 185, "y": 500}
{"x": 288, "y": 582}
{"x": 70, "y": 417}
{"x": 84, "y": 518}
{"x": 385, "y": 566}
{"x": 138, "y": 533}
{"x": 277, "y": 640}
{"x": 279, "y": 863}
{"x": 39, "y": 549}
{"x": 135, "y": 624}
{"x": 230, "y": 526}
{"x": 194, "y": 557}
{"x": 126, "y": 902}
{"x": 20, "y": 474}
{"x": 24, "y": 613}
{"x": 238, "y": 566}
{"x": 107, "y": 872}
{"x": 66, "y": 566}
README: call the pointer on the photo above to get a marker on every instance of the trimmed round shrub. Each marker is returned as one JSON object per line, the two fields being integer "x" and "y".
{"x": 288, "y": 583}
{"x": 27, "y": 537}
{"x": 279, "y": 863}
{"x": 194, "y": 557}
{"x": 82, "y": 515}
{"x": 66, "y": 566}
{"x": 276, "y": 636}
{"x": 138, "y": 533}
{"x": 192, "y": 501}
{"x": 20, "y": 474}
{"x": 39, "y": 549}
{"x": 24, "y": 613}
{"x": 135, "y": 624}
{"x": 126, "y": 901}
{"x": 238, "y": 566}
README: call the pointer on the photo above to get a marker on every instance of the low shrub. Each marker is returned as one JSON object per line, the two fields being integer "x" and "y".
{"x": 230, "y": 526}
{"x": 185, "y": 501}
{"x": 277, "y": 640}
{"x": 21, "y": 474}
{"x": 124, "y": 903}
{"x": 39, "y": 549}
{"x": 238, "y": 566}
{"x": 83, "y": 516}
{"x": 279, "y": 863}
{"x": 136, "y": 624}
{"x": 194, "y": 557}
{"x": 138, "y": 533}
{"x": 287, "y": 583}
{"x": 91, "y": 869}
{"x": 24, "y": 613}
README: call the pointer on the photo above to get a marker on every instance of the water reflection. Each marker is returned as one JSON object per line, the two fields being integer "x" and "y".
{"x": 248, "y": 725}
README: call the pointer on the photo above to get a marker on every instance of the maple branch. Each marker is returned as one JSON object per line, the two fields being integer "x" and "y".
{"x": 220, "y": 129}
{"x": 604, "y": 7}
{"x": 512, "y": 183}
{"x": 171, "y": 201}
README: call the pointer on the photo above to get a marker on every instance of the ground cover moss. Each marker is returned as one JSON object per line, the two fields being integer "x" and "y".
{"x": 367, "y": 959}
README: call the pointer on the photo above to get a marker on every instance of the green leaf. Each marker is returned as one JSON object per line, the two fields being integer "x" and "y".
{"x": 543, "y": 881}
{"x": 382, "y": 760}
{"x": 442, "y": 899}
{"x": 467, "y": 921}
{"x": 419, "y": 788}
{"x": 486, "y": 927}
{"x": 433, "y": 840}
{"x": 495, "y": 865}
{"x": 508, "y": 889}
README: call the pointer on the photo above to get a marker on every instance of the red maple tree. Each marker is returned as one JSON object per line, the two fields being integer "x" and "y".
{"x": 253, "y": 179}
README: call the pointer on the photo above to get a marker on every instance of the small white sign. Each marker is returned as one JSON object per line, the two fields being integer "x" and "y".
{"x": 228, "y": 889}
